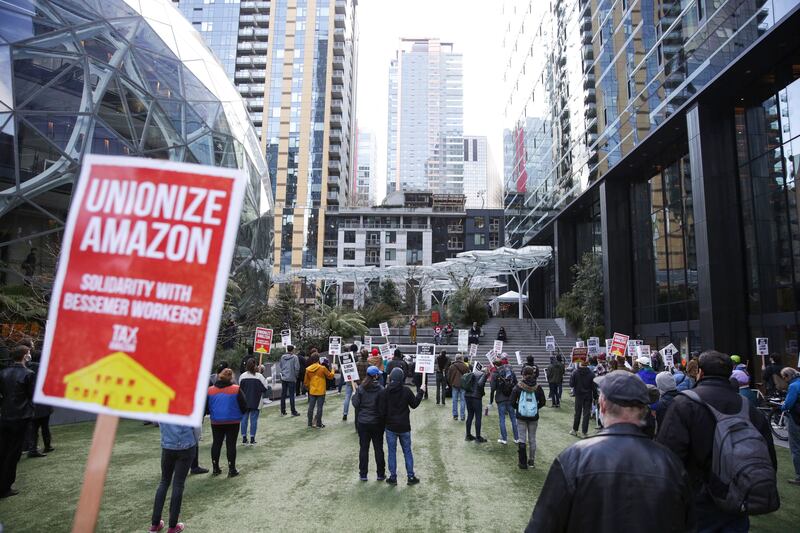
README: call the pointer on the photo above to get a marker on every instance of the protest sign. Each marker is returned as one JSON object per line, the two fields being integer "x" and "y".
{"x": 463, "y": 340}
{"x": 384, "y": 329}
{"x": 580, "y": 354}
{"x": 498, "y": 347}
{"x": 335, "y": 345}
{"x": 632, "y": 344}
{"x": 490, "y": 355}
{"x": 286, "y": 337}
{"x": 643, "y": 350}
{"x": 519, "y": 357}
{"x": 143, "y": 271}
{"x": 593, "y": 344}
{"x": 368, "y": 342}
{"x": 473, "y": 351}
{"x": 668, "y": 355}
{"x": 477, "y": 367}
{"x": 619, "y": 344}
{"x": 262, "y": 343}
{"x": 762, "y": 346}
{"x": 550, "y": 343}
{"x": 349, "y": 370}
{"x": 425, "y": 355}
{"x": 580, "y": 344}
{"x": 386, "y": 350}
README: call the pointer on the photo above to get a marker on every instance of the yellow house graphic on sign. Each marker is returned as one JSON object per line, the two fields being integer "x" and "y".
{"x": 117, "y": 381}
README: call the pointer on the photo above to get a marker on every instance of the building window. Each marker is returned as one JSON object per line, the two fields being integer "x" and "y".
{"x": 494, "y": 242}
{"x": 480, "y": 222}
{"x": 494, "y": 224}
{"x": 474, "y": 149}
{"x": 350, "y": 237}
{"x": 466, "y": 149}
{"x": 373, "y": 257}
{"x": 455, "y": 243}
{"x": 480, "y": 239}
{"x": 390, "y": 254}
{"x": 349, "y": 255}
{"x": 391, "y": 237}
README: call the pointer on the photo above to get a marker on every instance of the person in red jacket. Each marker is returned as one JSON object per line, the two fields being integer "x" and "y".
{"x": 226, "y": 406}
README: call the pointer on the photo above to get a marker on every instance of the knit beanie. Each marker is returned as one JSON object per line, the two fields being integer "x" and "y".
{"x": 396, "y": 375}
{"x": 665, "y": 382}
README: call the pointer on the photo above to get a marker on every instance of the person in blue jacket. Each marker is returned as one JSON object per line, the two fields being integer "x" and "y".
{"x": 792, "y": 405}
{"x": 178, "y": 448}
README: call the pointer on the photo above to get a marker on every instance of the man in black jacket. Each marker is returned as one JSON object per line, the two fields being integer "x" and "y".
{"x": 688, "y": 430}
{"x": 581, "y": 382}
{"x": 16, "y": 412}
{"x": 395, "y": 404}
{"x": 442, "y": 362}
{"x": 619, "y": 460}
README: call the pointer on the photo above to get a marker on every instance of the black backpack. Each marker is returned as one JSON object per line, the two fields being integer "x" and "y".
{"x": 505, "y": 385}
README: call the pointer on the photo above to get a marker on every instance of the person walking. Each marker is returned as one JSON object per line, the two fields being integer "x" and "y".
{"x": 473, "y": 392}
{"x": 178, "y": 445}
{"x": 253, "y": 386}
{"x": 454, "y": 373}
{"x": 668, "y": 391}
{"x": 690, "y": 380}
{"x": 396, "y": 405}
{"x": 555, "y": 380}
{"x": 442, "y": 362}
{"x": 397, "y": 362}
{"x": 412, "y": 330}
{"x": 619, "y": 459}
{"x": 299, "y": 389}
{"x": 16, "y": 412}
{"x": 527, "y": 399}
{"x": 289, "y": 372}
{"x": 690, "y": 431}
{"x": 348, "y": 388}
{"x": 792, "y": 407}
{"x": 502, "y": 385}
{"x": 366, "y": 400}
{"x": 316, "y": 381}
{"x": 226, "y": 405}
{"x": 646, "y": 372}
{"x": 583, "y": 386}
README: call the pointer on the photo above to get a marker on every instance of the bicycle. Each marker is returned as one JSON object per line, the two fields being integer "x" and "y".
{"x": 775, "y": 416}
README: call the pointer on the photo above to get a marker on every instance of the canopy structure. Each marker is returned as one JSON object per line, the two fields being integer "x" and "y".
{"x": 514, "y": 262}
{"x": 334, "y": 277}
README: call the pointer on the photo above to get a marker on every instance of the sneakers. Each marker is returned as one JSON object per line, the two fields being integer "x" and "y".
{"x": 795, "y": 481}
{"x": 232, "y": 472}
{"x": 199, "y": 470}
{"x": 252, "y": 441}
{"x": 455, "y": 418}
{"x": 392, "y": 480}
{"x": 573, "y": 433}
{"x": 9, "y": 493}
{"x": 530, "y": 463}
{"x": 480, "y": 440}
{"x": 217, "y": 471}
{"x": 363, "y": 478}
{"x": 381, "y": 478}
{"x": 36, "y": 453}
{"x": 413, "y": 480}
{"x": 584, "y": 435}
{"x": 49, "y": 449}
{"x": 295, "y": 414}
{"x": 344, "y": 418}
{"x": 156, "y": 527}
{"x": 244, "y": 440}
{"x": 469, "y": 438}
{"x": 320, "y": 426}
{"x": 177, "y": 529}
{"x": 501, "y": 441}
{"x": 283, "y": 413}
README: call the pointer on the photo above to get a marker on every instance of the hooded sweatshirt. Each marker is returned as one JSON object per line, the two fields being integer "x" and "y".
{"x": 668, "y": 390}
{"x": 528, "y": 384}
{"x": 316, "y": 379}
{"x": 397, "y": 362}
{"x": 289, "y": 367}
{"x": 496, "y": 393}
{"x": 555, "y": 372}
{"x": 398, "y": 400}
{"x": 367, "y": 401}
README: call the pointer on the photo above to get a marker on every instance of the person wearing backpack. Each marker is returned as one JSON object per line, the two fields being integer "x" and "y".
{"x": 503, "y": 382}
{"x": 473, "y": 384}
{"x": 792, "y": 406}
{"x": 454, "y": 373}
{"x": 701, "y": 426}
{"x": 527, "y": 398}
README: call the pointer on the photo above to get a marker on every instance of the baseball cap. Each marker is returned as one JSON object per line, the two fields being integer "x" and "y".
{"x": 373, "y": 371}
{"x": 623, "y": 388}
{"x": 644, "y": 360}
{"x": 736, "y": 359}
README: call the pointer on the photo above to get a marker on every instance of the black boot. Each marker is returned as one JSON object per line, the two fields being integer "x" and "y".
{"x": 216, "y": 469}
{"x": 522, "y": 452}
{"x": 232, "y": 472}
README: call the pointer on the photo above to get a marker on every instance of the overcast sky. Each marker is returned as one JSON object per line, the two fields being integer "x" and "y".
{"x": 474, "y": 27}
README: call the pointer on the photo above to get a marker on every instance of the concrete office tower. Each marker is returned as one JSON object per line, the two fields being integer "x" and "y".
{"x": 295, "y": 66}
{"x": 482, "y": 187}
{"x": 426, "y": 118}
{"x": 366, "y": 165}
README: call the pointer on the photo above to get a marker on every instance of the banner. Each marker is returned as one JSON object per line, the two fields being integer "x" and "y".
{"x": 335, "y": 345}
{"x": 425, "y": 355}
{"x": 139, "y": 289}
{"x": 286, "y": 337}
{"x": 619, "y": 344}
{"x": 349, "y": 370}
{"x": 550, "y": 343}
{"x": 262, "y": 341}
{"x": 384, "y": 329}
{"x": 463, "y": 340}
{"x": 762, "y": 346}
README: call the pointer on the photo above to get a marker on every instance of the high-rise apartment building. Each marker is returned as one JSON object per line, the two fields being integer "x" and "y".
{"x": 294, "y": 63}
{"x": 661, "y": 136}
{"x": 426, "y": 118}
{"x": 366, "y": 167}
{"x": 482, "y": 187}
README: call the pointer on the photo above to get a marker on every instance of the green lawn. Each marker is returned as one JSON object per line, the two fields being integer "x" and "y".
{"x": 307, "y": 480}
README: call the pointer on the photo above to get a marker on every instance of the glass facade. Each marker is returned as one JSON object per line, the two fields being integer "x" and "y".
{"x": 117, "y": 78}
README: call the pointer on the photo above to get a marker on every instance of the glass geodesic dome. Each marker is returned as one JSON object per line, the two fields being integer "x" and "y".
{"x": 110, "y": 77}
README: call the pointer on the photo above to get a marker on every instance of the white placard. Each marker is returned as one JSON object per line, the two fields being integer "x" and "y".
{"x": 349, "y": 370}
{"x": 498, "y": 347}
{"x": 286, "y": 337}
{"x": 463, "y": 340}
{"x": 519, "y": 358}
{"x": 580, "y": 344}
{"x": 425, "y": 354}
{"x": 384, "y": 329}
{"x": 335, "y": 345}
{"x": 643, "y": 350}
{"x": 762, "y": 346}
{"x": 668, "y": 355}
{"x": 632, "y": 344}
{"x": 593, "y": 344}
{"x": 368, "y": 342}
{"x": 473, "y": 351}
{"x": 386, "y": 350}
{"x": 550, "y": 343}
{"x": 490, "y": 357}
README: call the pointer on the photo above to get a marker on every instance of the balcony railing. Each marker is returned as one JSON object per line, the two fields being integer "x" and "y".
{"x": 455, "y": 229}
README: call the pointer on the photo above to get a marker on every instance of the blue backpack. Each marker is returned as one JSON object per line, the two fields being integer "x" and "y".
{"x": 528, "y": 406}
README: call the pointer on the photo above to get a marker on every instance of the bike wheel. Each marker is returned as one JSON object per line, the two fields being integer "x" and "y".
{"x": 777, "y": 422}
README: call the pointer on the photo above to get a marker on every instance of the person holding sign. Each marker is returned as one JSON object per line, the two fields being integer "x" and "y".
{"x": 369, "y": 416}
{"x": 397, "y": 400}
{"x": 442, "y": 362}
{"x": 316, "y": 381}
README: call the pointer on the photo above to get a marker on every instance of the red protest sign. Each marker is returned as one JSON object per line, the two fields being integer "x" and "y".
{"x": 263, "y": 341}
{"x": 580, "y": 354}
{"x": 619, "y": 345}
{"x": 139, "y": 289}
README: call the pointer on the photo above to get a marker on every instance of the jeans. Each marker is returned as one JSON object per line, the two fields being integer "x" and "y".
{"x": 33, "y": 435}
{"x": 504, "y": 408}
{"x": 794, "y": 443}
{"x": 341, "y": 383}
{"x": 174, "y": 468}
{"x": 555, "y": 393}
{"x": 474, "y": 410}
{"x": 287, "y": 390}
{"x": 391, "y": 448}
{"x": 348, "y": 394}
{"x": 318, "y": 402}
{"x": 12, "y": 438}
{"x": 370, "y": 433}
{"x": 441, "y": 387}
{"x": 458, "y": 399}
{"x": 583, "y": 405}
{"x": 227, "y": 433}
{"x": 711, "y": 519}
{"x": 252, "y": 416}
{"x": 528, "y": 435}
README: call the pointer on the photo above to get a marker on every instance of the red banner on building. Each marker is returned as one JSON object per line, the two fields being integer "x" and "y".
{"x": 138, "y": 294}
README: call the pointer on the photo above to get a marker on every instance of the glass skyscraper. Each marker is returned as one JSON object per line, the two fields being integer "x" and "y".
{"x": 660, "y": 136}
{"x": 294, "y": 63}
{"x": 366, "y": 166}
{"x": 426, "y": 118}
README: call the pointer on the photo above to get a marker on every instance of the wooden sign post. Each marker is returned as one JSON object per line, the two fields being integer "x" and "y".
{"x": 94, "y": 477}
